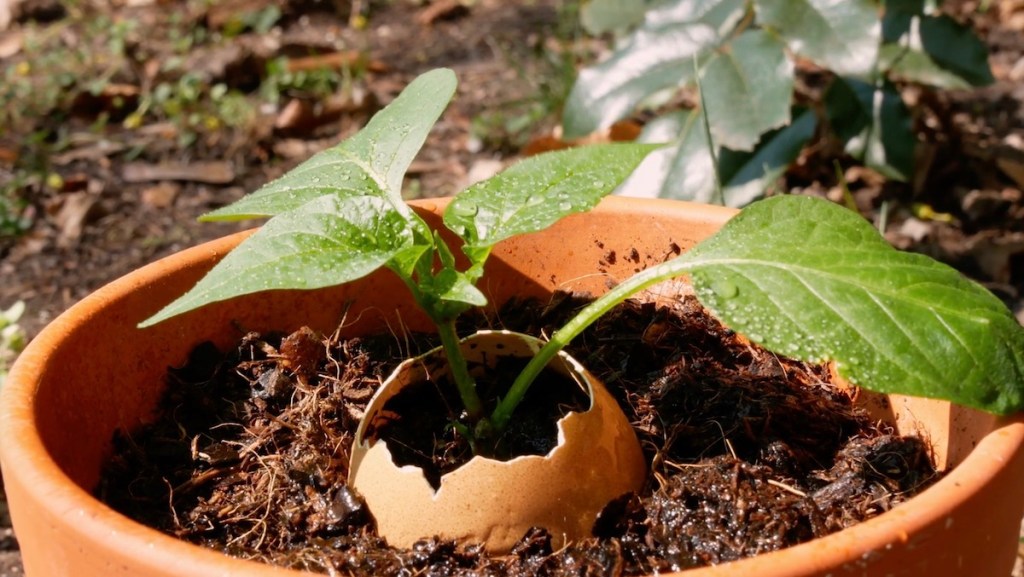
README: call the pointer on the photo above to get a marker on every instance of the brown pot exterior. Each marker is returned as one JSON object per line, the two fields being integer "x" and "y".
{"x": 91, "y": 372}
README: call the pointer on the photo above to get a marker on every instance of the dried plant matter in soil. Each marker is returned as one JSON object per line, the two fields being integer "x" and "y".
{"x": 749, "y": 452}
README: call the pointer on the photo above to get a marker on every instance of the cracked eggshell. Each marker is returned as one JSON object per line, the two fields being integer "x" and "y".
{"x": 598, "y": 458}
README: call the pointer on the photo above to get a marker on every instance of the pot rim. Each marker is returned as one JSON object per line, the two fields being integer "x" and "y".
{"x": 25, "y": 457}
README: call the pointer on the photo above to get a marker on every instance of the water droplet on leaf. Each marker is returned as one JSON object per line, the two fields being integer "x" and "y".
{"x": 725, "y": 289}
{"x": 466, "y": 208}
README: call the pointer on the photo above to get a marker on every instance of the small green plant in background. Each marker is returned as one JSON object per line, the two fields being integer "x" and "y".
{"x": 280, "y": 82}
{"x": 743, "y": 53}
{"x": 12, "y": 220}
{"x": 800, "y": 275}
{"x": 12, "y": 337}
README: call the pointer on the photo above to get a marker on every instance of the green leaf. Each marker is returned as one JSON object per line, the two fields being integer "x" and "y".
{"x": 325, "y": 242}
{"x": 913, "y": 66}
{"x": 842, "y": 35}
{"x": 747, "y": 176}
{"x": 904, "y": 7}
{"x": 538, "y": 191}
{"x": 874, "y": 123}
{"x": 722, "y": 15}
{"x": 683, "y": 171}
{"x": 455, "y": 288}
{"x": 371, "y": 163}
{"x": 599, "y": 16}
{"x": 934, "y": 50}
{"x": 956, "y": 48}
{"x": 657, "y": 56}
{"x": 747, "y": 89}
{"x": 812, "y": 280}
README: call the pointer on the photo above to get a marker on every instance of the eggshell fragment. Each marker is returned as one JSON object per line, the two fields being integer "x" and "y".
{"x": 598, "y": 458}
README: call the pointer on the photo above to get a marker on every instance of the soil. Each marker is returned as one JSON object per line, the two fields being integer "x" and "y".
{"x": 422, "y": 431}
{"x": 95, "y": 198}
{"x": 748, "y": 452}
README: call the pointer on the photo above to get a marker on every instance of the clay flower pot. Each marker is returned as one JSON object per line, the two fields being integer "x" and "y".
{"x": 497, "y": 502}
{"x": 92, "y": 372}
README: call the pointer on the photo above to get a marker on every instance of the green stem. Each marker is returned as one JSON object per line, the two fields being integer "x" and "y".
{"x": 719, "y": 193}
{"x": 465, "y": 384}
{"x": 586, "y": 317}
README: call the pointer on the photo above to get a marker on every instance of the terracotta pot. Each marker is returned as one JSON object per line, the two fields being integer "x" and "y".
{"x": 92, "y": 372}
{"x": 497, "y": 502}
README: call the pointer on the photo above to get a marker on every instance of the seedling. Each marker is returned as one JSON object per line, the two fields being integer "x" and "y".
{"x": 799, "y": 275}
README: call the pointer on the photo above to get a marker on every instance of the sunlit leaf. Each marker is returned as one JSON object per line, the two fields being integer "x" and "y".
{"x": 538, "y": 191}
{"x": 599, "y": 16}
{"x": 747, "y": 89}
{"x": 371, "y": 163}
{"x": 325, "y": 242}
{"x": 658, "y": 55}
{"x": 747, "y": 176}
{"x": 842, "y": 35}
{"x": 934, "y": 50}
{"x": 913, "y": 66}
{"x": 722, "y": 15}
{"x": 810, "y": 279}
{"x": 683, "y": 170}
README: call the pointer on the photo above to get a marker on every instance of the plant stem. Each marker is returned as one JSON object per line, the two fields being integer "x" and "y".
{"x": 595, "y": 310}
{"x": 460, "y": 372}
{"x": 719, "y": 193}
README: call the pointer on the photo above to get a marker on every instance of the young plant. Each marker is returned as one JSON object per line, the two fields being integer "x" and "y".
{"x": 340, "y": 216}
{"x": 798, "y": 275}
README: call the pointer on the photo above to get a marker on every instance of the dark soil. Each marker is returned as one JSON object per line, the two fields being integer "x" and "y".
{"x": 748, "y": 452}
{"x": 421, "y": 433}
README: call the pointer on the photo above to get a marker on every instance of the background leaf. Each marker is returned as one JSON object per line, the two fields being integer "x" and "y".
{"x": 538, "y": 191}
{"x": 747, "y": 176}
{"x": 599, "y": 16}
{"x": 810, "y": 279}
{"x": 904, "y": 6}
{"x": 933, "y": 50}
{"x": 683, "y": 170}
{"x": 747, "y": 89}
{"x": 722, "y": 15}
{"x": 914, "y": 66}
{"x": 839, "y": 34}
{"x": 658, "y": 55}
{"x": 372, "y": 162}
{"x": 326, "y": 242}
{"x": 875, "y": 125}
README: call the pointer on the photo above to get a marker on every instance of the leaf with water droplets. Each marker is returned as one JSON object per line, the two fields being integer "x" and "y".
{"x": 371, "y": 163}
{"x": 538, "y": 191}
{"x": 808, "y": 278}
{"x": 326, "y": 242}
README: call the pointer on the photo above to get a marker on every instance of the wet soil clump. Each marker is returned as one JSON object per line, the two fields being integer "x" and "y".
{"x": 748, "y": 452}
